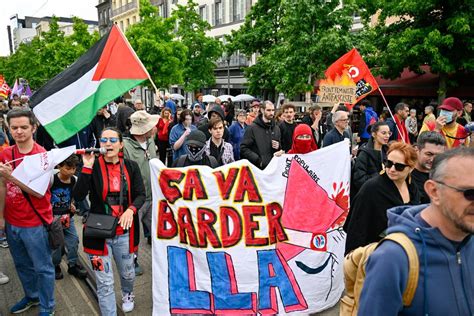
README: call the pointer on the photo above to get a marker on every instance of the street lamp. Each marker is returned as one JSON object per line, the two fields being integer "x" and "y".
{"x": 228, "y": 75}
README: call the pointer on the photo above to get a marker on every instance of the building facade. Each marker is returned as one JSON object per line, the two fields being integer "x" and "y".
{"x": 24, "y": 30}
{"x": 104, "y": 14}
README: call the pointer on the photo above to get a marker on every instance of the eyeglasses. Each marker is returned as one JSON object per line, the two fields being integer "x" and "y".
{"x": 113, "y": 140}
{"x": 398, "y": 166}
{"x": 468, "y": 193}
{"x": 343, "y": 120}
{"x": 386, "y": 133}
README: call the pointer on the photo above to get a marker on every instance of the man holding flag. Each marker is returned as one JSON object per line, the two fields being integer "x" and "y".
{"x": 26, "y": 234}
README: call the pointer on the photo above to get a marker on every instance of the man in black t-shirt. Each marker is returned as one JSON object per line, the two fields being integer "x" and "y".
{"x": 428, "y": 146}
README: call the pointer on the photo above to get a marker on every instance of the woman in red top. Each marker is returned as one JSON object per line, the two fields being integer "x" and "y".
{"x": 115, "y": 188}
{"x": 303, "y": 140}
{"x": 162, "y": 137}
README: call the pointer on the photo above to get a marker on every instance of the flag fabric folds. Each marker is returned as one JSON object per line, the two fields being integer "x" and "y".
{"x": 69, "y": 101}
{"x": 4, "y": 88}
{"x": 353, "y": 64}
{"x": 35, "y": 171}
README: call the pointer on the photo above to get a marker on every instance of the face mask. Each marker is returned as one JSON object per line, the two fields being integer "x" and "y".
{"x": 302, "y": 146}
{"x": 194, "y": 152}
{"x": 448, "y": 115}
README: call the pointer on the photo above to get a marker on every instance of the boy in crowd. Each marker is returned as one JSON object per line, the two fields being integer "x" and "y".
{"x": 61, "y": 200}
{"x": 216, "y": 146}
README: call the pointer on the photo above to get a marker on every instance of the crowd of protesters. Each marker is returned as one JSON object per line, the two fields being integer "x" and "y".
{"x": 392, "y": 157}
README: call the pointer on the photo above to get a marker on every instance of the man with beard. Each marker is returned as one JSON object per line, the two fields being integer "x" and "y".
{"x": 428, "y": 146}
{"x": 195, "y": 152}
{"x": 454, "y": 133}
{"x": 442, "y": 235}
{"x": 397, "y": 123}
{"x": 262, "y": 138}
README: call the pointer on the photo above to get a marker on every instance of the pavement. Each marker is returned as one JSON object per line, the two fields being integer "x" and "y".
{"x": 73, "y": 297}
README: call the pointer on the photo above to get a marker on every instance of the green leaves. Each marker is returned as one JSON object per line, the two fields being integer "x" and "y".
{"x": 46, "y": 56}
{"x": 295, "y": 42}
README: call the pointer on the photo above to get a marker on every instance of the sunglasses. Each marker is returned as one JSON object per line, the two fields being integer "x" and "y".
{"x": 398, "y": 166}
{"x": 468, "y": 193}
{"x": 113, "y": 140}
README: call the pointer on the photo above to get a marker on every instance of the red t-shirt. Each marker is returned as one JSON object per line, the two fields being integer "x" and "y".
{"x": 113, "y": 174}
{"x": 18, "y": 211}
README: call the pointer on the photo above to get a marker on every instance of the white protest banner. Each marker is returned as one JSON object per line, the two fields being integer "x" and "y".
{"x": 243, "y": 241}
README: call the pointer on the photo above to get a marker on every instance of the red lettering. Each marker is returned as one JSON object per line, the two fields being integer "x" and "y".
{"x": 206, "y": 227}
{"x": 166, "y": 224}
{"x": 226, "y": 184}
{"x": 186, "y": 227}
{"x": 166, "y": 180}
{"x": 250, "y": 225}
{"x": 275, "y": 229}
{"x": 193, "y": 185}
{"x": 230, "y": 239}
{"x": 247, "y": 185}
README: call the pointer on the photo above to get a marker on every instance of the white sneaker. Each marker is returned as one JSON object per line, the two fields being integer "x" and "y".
{"x": 3, "y": 278}
{"x": 128, "y": 302}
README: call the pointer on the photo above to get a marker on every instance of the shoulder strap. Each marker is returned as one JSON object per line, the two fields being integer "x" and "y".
{"x": 413, "y": 265}
{"x": 181, "y": 161}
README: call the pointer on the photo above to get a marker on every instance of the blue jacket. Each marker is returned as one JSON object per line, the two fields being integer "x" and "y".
{"x": 171, "y": 105}
{"x": 175, "y": 134}
{"x": 236, "y": 134}
{"x": 446, "y": 278}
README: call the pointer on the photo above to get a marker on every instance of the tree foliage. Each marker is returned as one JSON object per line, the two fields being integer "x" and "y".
{"x": 202, "y": 51}
{"x": 46, "y": 56}
{"x": 412, "y": 33}
{"x": 295, "y": 41}
{"x": 153, "y": 39}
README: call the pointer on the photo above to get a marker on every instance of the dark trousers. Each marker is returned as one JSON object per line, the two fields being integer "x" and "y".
{"x": 162, "y": 149}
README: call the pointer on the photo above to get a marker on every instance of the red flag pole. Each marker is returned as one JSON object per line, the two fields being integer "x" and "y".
{"x": 391, "y": 114}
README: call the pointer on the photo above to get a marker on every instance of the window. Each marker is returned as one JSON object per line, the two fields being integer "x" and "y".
{"x": 121, "y": 26}
{"x": 237, "y": 10}
{"x": 134, "y": 19}
{"x": 218, "y": 13}
{"x": 202, "y": 12}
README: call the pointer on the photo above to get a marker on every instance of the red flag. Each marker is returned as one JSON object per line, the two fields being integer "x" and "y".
{"x": 4, "y": 88}
{"x": 353, "y": 64}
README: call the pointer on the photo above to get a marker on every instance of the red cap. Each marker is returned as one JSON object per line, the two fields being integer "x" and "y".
{"x": 452, "y": 104}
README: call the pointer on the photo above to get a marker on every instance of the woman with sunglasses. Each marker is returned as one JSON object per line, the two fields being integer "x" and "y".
{"x": 115, "y": 188}
{"x": 368, "y": 215}
{"x": 370, "y": 157}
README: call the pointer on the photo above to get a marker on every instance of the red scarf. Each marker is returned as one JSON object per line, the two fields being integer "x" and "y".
{"x": 402, "y": 130}
{"x": 302, "y": 146}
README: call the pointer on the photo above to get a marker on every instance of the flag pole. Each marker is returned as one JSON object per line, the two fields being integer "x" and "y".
{"x": 391, "y": 114}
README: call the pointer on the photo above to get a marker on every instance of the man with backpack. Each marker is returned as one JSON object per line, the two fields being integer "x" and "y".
{"x": 441, "y": 233}
{"x": 367, "y": 118}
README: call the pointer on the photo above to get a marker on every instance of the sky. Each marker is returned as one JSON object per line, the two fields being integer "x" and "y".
{"x": 84, "y": 9}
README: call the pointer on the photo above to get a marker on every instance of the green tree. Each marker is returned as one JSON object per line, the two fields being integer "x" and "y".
{"x": 202, "y": 50}
{"x": 413, "y": 33}
{"x": 295, "y": 42}
{"x": 46, "y": 56}
{"x": 155, "y": 43}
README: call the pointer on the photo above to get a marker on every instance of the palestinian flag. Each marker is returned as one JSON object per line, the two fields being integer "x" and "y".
{"x": 69, "y": 101}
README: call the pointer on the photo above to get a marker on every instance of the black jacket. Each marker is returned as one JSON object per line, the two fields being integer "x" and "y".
{"x": 123, "y": 114}
{"x": 92, "y": 182}
{"x": 99, "y": 123}
{"x": 256, "y": 144}
{"x": 368, "y": 164}
{"x": 286, "y": 131}
{"x": 368, "y": 219}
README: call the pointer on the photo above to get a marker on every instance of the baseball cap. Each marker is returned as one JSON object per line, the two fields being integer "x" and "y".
{"x": 452, "y": 104}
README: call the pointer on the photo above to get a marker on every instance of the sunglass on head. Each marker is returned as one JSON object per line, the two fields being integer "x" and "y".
{"x": 468, "y": 193}
{"x": 113, "y": 140}
{"x": 398, "y": 166}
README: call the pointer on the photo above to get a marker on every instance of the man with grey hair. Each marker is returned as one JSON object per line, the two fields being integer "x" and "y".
{"x": 442, "y": 235}
{"x": 429, "y": 145}
{"x": 340, "y": 119}
{"x": 262, "y": 138}
{"x": 429, "y": 114}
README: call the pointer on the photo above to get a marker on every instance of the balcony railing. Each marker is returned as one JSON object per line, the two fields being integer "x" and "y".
{"x": 236, "y": 60}
{"x": 127, "y": 7}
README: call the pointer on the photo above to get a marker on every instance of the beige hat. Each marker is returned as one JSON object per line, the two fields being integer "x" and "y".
{"x": 142, "y": 122}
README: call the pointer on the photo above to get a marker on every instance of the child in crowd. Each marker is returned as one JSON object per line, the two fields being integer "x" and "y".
{"x": 63, "y": 207}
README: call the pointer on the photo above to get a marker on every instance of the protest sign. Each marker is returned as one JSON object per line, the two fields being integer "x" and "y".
{"x": 244, "y": 241}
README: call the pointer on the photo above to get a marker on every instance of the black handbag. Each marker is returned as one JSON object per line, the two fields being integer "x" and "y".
{"x": 104, "y": 225}
{"x": 100, "y": 226}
